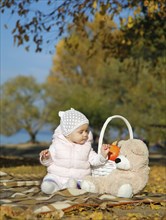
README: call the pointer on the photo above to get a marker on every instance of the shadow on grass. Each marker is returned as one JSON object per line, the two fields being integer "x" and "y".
{"x": 20, "y": 155}
{"x": 17, "y": 155}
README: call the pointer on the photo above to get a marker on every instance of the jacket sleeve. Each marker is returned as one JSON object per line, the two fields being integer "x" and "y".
{"x": 49, "y": 161}
{"x": 96, "y": 159}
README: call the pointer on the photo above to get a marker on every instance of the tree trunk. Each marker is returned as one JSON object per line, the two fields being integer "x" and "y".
{"x": 33, "y": 137}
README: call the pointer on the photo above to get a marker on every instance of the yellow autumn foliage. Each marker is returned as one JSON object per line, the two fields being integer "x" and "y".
{"x": 94, "y": 5}
{"x": 130, "y": 22}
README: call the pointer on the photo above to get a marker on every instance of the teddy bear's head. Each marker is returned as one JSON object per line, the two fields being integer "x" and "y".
{"x": 133, "y": 155}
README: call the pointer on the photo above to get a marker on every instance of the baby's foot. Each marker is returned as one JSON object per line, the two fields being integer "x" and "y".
{"x": 88, "y": 186}
{"x": 49, "y": 187}
{"x": 74, "y": 184}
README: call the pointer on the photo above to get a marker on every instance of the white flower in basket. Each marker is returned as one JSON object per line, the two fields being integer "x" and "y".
{"x": 110, "y": 165}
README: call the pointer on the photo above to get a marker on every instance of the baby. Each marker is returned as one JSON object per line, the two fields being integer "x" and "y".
{"x": 70, "y": 156}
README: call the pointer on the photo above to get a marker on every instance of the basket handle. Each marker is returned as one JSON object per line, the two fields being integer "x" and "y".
{"x": 105, "y": 125}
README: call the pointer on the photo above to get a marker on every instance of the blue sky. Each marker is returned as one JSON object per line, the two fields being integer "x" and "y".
{"x": 16, "y": 61}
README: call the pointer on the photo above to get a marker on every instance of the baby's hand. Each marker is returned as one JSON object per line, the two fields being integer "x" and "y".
{"x": 105, "y": 150}
{"x": 45, "y": 154}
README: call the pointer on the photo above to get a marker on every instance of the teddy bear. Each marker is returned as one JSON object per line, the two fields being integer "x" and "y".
{"x": 129, "y": 177}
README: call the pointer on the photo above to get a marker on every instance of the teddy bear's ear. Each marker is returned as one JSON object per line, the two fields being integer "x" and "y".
{"x": 120, "y": 143}
{"x": 139, "y": 147}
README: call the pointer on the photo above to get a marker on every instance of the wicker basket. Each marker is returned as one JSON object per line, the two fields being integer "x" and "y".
{"x": 109, "y": 165}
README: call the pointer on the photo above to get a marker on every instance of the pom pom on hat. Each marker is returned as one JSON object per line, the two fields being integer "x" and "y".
{"x": 71, "y": 120}
{"x": 61, "y": 113}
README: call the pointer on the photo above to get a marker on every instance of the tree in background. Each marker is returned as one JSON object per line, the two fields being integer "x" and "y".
{"x": 128, "y": 81}
{"x": 144, "y": 97}
{"x": 145, "y": 49}
{"x": 76, "y": 81}
{"x": 23, "y": 106}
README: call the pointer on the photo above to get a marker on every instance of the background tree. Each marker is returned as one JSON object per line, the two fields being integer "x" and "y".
{"x": 23, "y": 106}
{"x": 75, "y": 80}
{"x": 122, "y": 83}
{"x": 144, "y": 98}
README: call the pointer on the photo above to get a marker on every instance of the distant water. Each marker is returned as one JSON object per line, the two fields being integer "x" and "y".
{"x": 45, "y": 136}
{"x": 22, "y": 137}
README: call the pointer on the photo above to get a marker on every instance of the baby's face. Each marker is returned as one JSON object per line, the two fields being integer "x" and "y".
{"x": 79, "y": 135}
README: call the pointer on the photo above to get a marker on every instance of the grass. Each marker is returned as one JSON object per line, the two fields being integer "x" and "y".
{"x": 35, "y": 170}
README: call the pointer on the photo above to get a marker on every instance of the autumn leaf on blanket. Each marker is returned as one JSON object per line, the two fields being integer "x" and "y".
{"x": 155, "y": 207}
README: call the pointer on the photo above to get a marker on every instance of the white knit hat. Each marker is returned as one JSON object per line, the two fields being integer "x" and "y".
{"x": 70, "y": 120}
